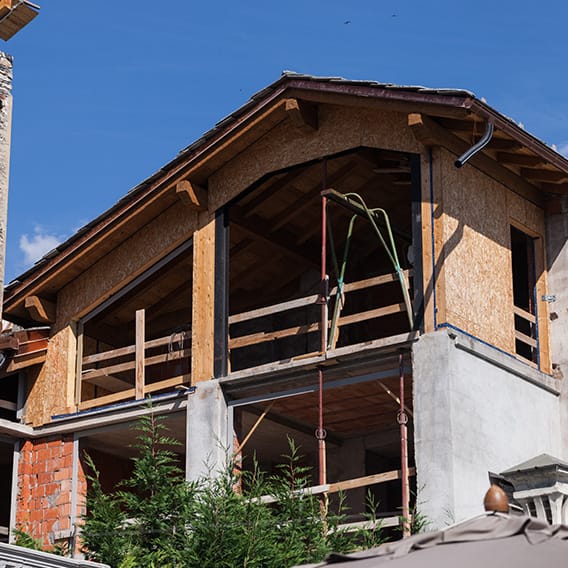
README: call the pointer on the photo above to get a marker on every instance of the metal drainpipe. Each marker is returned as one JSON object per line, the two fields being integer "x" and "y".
{"x": 485, "y": 139}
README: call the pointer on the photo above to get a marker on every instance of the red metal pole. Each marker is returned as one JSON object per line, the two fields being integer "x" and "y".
{"x": 403, "y": 420}
{"x": 324, "y": 293}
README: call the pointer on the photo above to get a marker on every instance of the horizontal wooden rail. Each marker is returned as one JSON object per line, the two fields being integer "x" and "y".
{"x": 346, "y": 485}
{"x": 314, "y": 298}
{"x": 130, "y": 349}
{"x": 89, "y": 374}
{"x": 524, "y": 314}
{"x": 525, "y": 339}
{"x": 128, "y": 394}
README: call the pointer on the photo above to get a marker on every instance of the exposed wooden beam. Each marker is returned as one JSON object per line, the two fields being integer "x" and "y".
{"x": 260, "y": 230}
{"x": 263, "y": 192}
{"x": 40, "y": 310}
{"x": 298, "y": 425}
{"x": 501, "y": 144}
{"x": 544, "y": 175}
{"x": 430, "y": 133}
{"x": 192, "y": 194}
{"x": 520, "y": 159}
{"x": 303, "y": 115}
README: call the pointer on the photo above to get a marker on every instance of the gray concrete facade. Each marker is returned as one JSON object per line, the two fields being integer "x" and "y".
{"x": 557, "y": 266}
{"x": 207, "y": 444}
{"x": 476, "y": 410}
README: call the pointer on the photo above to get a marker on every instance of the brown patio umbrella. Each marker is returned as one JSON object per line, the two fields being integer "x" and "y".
{"x": 488, "y": 541}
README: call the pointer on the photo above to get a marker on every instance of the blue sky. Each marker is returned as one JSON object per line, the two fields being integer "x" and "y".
{"x": 107, "y": 92}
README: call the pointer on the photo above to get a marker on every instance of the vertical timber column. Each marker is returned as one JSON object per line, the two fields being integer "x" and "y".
{"x": 203, "y": 305}
{"x": 5, "y": 139}
{"x": 206, "y": 422}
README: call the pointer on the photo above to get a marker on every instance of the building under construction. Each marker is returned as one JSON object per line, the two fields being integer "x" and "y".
{"x": 378, "y": 272}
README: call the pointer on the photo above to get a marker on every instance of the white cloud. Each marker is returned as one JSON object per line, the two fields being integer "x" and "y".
{"x": 40, "y": 243}
{"x": 563, "y": 149}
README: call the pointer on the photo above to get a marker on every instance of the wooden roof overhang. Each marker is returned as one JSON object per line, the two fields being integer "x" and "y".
{"x": 451, "y": 118}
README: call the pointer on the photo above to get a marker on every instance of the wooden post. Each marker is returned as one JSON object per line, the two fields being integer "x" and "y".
{"x": 140, "y": 353}
{"x": 203, "y": 306}
{"x": 79, "y": 364}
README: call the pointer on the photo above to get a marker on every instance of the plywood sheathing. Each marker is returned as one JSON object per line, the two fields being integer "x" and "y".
{"x": 203, "y": 305}
{"x": 126, "y": 262}
{"x": 340, "y": 128}
{"x": 474, "y": 236}
{"x": 51, "y": 387}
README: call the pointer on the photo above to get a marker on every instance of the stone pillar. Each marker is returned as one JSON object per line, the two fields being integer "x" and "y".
{"x": 207, "y": 448}
{"x": 5, "y": 137}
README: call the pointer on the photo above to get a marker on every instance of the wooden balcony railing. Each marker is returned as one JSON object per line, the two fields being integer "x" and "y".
{"x": 239, "y": 340}
{"x": 526, "y": 333}
{"x": 134, "y": 371}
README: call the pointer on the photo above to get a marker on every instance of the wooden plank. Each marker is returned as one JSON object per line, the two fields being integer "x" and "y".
{"x": 372, "y": 314}
{"x": 302, "y": 115}
{"x": 311, "y": 300}
{"x": 524, "y": 314}
{"x": 7, "y": 405}
{"x": 107, "y": 399}
{"x": 261, "y": 337}
{"x": 192, "y": 195}
{"x": 427, "y": 241}
{"x": 130, "y": 393}
{"x": 355, "y": 483}
{"x": 112, "y": 354}
{"x": 172, "y": 382}
{"x": 203, "y": 303}
{"x": 544, "y": 175}
{"x": 525, "y": 339}
{"x": 139, "y": 354}
{"x": 26, "y": 360}
{"x": 5, "y": 7}
{"x": 275, "y": 308}
{"x": 518, "y": 159}
{"x": 374, "y": 281}
{"x": 107, "y": 382}
{"x": 129, "y": 350}
{"x": 40, "y": 310}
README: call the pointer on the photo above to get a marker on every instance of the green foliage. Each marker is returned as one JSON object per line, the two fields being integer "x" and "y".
{"x": 156, "y": 519}
{"x": 26, "y": 540}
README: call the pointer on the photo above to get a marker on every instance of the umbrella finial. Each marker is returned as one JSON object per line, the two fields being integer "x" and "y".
{"x": 496, "y": 500}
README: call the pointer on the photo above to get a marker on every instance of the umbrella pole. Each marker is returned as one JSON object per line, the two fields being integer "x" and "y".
{"x": 402, "y": 418}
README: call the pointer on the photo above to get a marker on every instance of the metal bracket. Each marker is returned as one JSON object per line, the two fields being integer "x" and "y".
{"x": 548, "y": 298}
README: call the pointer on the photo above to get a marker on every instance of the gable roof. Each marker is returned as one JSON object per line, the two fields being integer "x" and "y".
{"x": 454, "y": 107}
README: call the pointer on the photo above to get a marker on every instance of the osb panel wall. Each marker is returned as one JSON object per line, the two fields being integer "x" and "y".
{"x": 473, "y": 244}
{"x": 51, "y": 390}
{"x": 124, "y": 263}
{"x": 340, "y": 128}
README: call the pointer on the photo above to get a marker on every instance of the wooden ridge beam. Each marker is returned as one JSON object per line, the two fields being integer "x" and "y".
{"x": 302, "y": 114}
{"x": 429, "y": 133}
{"x": 192, "y": 195}
{"x": 40, "y": 310}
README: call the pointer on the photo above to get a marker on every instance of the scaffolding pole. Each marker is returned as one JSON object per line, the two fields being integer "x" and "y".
{"x": 402, "y": 418}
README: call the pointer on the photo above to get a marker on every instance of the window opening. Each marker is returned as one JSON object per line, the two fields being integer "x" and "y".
{"x": 139, "y": 342}
{"x": 524, "y": 290}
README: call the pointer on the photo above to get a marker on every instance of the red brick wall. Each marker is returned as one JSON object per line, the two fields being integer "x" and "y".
{"x": 45, "y": 476}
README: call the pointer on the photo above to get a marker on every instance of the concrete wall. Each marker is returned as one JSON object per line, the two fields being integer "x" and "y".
{"x": 557, "y": 261}
{"x": 476, "y": 410}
